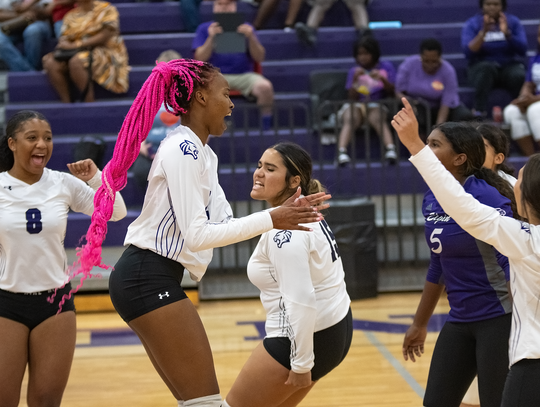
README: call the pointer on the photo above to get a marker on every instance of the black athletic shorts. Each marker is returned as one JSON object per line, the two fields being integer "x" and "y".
{"x": 143, "y": 281}
{"x": 31, "y": 309}
{"x": 330, "y": 346}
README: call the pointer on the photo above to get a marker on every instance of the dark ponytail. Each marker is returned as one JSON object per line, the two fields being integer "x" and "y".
{"x": 465, "y": 139}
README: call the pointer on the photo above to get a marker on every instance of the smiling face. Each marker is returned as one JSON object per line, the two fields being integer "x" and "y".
{"x": 270, "y": 182}
{"x": 218, "y": 104}
{"x": 32, "y": 147}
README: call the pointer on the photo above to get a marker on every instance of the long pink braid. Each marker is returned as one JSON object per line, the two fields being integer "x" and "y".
{"x": 161, "y": 86}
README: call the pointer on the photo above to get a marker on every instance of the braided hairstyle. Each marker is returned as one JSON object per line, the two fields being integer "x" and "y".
{"x": 298, "y": 163}
{"x": 171, "y": 83}
{"x": 13, "y": 126}
{"x": 498, "y": 140}
{"x": 465, "y": 139}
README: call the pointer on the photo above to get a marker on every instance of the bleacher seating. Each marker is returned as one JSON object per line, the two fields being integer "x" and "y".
{"x": 149, "y": 28}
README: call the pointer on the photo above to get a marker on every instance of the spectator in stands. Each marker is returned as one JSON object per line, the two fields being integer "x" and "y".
{"x": 190, "y": 14}
{"x": 237, "y": 67}
{"x": 495, "y": 45}
{"x": 164, "y": 122}
{"x": 368, "y": 82}
{"x": 91, "y": 31}
{"x": 33, "y": 31}
{"x": 268, "y": 7}
{"x": 307, "y": 33}
{"x": 58, "y": 9}
{"x": 523, "y": 114}
{"x": 34, "y": 206}
{"x": 430, "y": 79}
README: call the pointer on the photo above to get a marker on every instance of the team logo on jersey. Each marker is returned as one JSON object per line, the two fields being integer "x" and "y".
{"x": 429, "y": 207}
{"x": 189, "y": 148}
{"x": 281, "y": 237}
{"x": 501, "y": 211}
{"x": 525, "y": 227}
{"x": 8, "y": 187}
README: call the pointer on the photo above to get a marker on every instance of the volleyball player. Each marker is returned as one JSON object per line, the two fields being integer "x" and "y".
{"x": 34, "y": 206}
{"x": 474, "y": 338}
{"x": 184, "y": 216}
{"x": 301, "y": 279}
{"x": 518, "y": 240}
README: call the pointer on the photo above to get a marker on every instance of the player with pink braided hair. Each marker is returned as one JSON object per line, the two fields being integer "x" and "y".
{"x": 184, "y": 216}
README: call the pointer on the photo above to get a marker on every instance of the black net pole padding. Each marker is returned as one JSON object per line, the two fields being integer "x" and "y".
{"x": 353, "y": 223}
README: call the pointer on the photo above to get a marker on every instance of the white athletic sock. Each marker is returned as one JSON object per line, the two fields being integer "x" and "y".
{"x": 180, "y": 403}
{"x": 207, "y": 401}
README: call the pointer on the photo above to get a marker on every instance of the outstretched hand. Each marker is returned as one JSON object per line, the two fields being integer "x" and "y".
{"x": 296, "y": 210}
{"x": 314, "y": 200}
{"x": 406, "y": 126}
{"x": 83, "y": 169}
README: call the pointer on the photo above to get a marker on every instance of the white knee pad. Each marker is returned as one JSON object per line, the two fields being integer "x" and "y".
{"x": 180, "y": 403}
{"x": 207, "y": 401}
{"x": 225, "y": 404}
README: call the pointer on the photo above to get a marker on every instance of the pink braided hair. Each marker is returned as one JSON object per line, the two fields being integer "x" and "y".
{"x": 161, "y": 86}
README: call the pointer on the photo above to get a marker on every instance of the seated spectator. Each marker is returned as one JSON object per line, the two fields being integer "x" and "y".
{"x": 33, "y": 36}
{"x": 164, "y": 122}
{"x": 268, "y": 7}
{"x": 57, "y": 10}
{"x": 307, "y": 33}
{"x": 237, "y": 67}
{"x": 495, "y": 45}
{"x": 190, "y": 14}
{"x": 430, "y": 78}
{"x": 92, "y": 31}
{"x": 371, "y": 80}
{"x": 523, "y": 114}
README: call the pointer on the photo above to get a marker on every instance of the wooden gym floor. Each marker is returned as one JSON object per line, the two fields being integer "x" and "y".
{"x": 111, "y": 368}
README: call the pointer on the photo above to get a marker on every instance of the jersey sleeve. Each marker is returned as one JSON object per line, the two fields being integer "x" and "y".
{"x": 508, "y": 235}
{"x": 434, "y": 274}
{"x": 289, "y": 252}
{"x": 183, "y": 174}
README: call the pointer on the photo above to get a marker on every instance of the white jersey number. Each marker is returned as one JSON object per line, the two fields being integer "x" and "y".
{"x": 436, "y": 240}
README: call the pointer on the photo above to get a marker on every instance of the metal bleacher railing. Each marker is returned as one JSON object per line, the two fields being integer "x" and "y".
{"x": 396, "y": 190}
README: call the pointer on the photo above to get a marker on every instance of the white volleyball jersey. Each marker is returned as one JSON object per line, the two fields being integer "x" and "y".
{"x": 510, "y": 179}
{"x": 33, "y": 221}
{"x": 519, "y": 241}
{"x": 185, "y": 212}
{"x": 301, "y": 278}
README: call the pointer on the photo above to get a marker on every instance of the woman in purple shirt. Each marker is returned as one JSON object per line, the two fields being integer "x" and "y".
{"x": 495, "y": 45}
{"x": 369, "y": 81}
{"x": 430, "y": 78}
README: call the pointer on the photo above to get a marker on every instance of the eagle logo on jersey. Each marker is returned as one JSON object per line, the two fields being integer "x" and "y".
{"x": 281, "y": 237}
{"x": 189, "y": 148}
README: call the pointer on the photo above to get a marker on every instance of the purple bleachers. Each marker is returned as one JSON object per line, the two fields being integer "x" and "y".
{"x": 165, "y": 17}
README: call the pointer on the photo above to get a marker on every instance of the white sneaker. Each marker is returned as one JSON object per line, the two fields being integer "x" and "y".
{"x": 343, "y": 158}
{"x": 390, "y": 155}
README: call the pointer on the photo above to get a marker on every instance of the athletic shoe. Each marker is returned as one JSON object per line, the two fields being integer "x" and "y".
{"x": 343, "y": 158}
{"x": 306, "y": 35}
{"x": 391, "y": 155}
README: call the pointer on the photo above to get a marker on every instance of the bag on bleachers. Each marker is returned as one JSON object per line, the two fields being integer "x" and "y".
{"x": 326, "y": 87}
{"x": 90, "y": 146}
